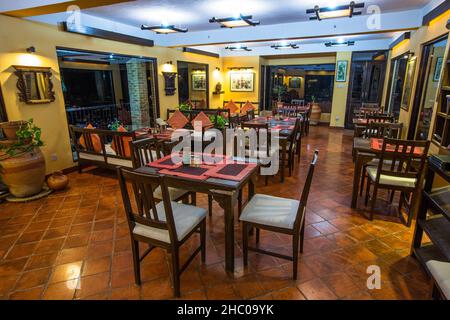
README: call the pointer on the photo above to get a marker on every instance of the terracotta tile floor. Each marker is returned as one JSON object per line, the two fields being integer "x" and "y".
{"x": 75, "y": 245}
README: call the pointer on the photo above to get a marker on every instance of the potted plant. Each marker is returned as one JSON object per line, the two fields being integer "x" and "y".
{"x": 184, "y": 107}
{"x": 219, "y": 121}
{"x": 22, "y": 164}
{"x": 316, "y": 111}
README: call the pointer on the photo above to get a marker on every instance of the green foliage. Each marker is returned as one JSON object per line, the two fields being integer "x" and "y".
{"x": 184, "y": 107}
{"x": 28, "y": 137}
{"x": 114, "y": 125}
{"x": 221, "y": 122}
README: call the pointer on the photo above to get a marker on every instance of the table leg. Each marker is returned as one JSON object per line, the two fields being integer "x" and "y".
{"x": 227, "y": 200}
{"x": 356, "y": 179}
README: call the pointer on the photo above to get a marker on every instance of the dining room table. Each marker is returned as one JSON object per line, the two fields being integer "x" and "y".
{"x": 223, "y": 180}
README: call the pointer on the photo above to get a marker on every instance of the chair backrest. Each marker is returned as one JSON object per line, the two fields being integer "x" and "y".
{"x": 144, "y": 151}
{"x": 407, "y": 158}
{"x": 383, "y": 130}
{"x": 144, "y": 210}
{"x": 379, "y": 117}
{"x": 305, "y": 193}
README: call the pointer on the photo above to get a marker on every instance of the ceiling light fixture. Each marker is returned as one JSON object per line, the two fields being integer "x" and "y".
{"x": 335, "y": 12}
{"x": 282, "y": 46}
{"x": 234, "y": 22}
{"x": 237, "y": 48}
{"x": 164, "y": 29}
{"x": 339, "y": 43}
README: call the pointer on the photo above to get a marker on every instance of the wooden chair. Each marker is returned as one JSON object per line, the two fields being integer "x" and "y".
{"x": 148, "y": 150}
{"x": 292, "y": 147}
{"x": 306, "y": 120}
{"x": 166, "y": 224}
{"x": 276, "y": 214}
{"x": 379, "y": 117}
{"x": 398, "y": 170}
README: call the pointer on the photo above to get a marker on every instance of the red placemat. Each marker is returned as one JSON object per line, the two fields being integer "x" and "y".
{"x": 198, "y": 173}
{"x": 283, "y": 127}
{"x": 166, "y": 163}
{"x": 377, "y": 144}
{"x": 231, "y": 171}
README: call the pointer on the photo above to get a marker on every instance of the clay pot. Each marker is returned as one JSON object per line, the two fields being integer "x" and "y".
{"x": 57, "y": 181}
{"x": 24, "y": 174}
{"x": 10, "y": 128}
{"x": 316, "y": 112}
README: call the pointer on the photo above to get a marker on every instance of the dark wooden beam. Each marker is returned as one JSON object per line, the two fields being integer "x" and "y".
{"x": 204, "y": 53}
{"x": 404, "y": 36}
{"x": 104, "y": 34}
{"x": 61, "y": 7}
{"x": 436, "y": 12}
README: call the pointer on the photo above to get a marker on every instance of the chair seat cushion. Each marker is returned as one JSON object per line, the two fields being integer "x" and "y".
{"x": 186, "y": 218}
{"x": 271, "y": 211}
{"x": 441, "y": 274}
{"x": 120, "y": 162}
{"x": 174, "y": 193}
{"x": 391, "y": 180}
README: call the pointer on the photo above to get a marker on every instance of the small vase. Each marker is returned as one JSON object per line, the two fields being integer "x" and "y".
{"x": 57, "y": 181}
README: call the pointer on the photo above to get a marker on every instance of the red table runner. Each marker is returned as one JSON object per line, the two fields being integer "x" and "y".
{"x": 377, "y": 144}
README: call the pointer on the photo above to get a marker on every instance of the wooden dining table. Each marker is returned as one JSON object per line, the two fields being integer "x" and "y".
{"x": 225, "y": 192}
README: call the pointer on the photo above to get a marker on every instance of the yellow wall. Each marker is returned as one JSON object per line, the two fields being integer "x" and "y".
{"x": 16, "y": 35}
{"x": 419, "y": 37}
{"x": 340, "y": 91}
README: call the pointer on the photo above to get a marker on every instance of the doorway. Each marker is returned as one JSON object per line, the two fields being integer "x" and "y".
{"x": 367, "y": 73}
{"x": 396, "y": 84}
{"x": 193, "y": 84}
{"x": 107, "y": 89}
{"x": 431, "y": 66}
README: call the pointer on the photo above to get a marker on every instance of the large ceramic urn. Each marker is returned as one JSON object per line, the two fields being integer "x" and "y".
{"x": 24, "y": 173}
{"x": 316, "y": 112}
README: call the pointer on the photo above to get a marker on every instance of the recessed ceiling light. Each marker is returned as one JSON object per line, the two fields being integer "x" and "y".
{"x": 234, "y": 22}
{"x": 238, "y": 48}
{"x": 335, "y": 11}
{"x": 339, "y": 43}
{"x": 284, "y": 45}
{"x": 165, "y": 29}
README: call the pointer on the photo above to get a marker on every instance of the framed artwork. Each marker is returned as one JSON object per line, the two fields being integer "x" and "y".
{"x": 341, "y": 72}
{"x": 242, "y": 81}
{"x": 199, "y": 82}
{"x": 407, "y": 87}
{"x": 437, "y": 69}
{"x": 294, "y": 82}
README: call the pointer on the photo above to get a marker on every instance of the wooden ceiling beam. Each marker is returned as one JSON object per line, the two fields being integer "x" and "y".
{"x": 61, "y": 7}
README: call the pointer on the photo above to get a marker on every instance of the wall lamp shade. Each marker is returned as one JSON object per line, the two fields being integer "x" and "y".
{"x": 235, "y": 22}
{"x": 340, "y": 44}
{"x": 237, "y": 48}
{"x": 335, "y": 12}
{"x": 31, "y": 49}
{"x": 164, "y": 29}
{"x": 284, "y": 46}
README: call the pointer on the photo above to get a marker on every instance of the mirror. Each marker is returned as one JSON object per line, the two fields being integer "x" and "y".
{"x": 193, "y": 84}
{"x": 34, "y": 84}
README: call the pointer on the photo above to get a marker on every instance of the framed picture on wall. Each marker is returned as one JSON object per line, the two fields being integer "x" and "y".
{"x": 407, "y": 87}
{"x": 294, "y": 83}
{"x": 437, "y": 69}
{"x": 242, "y": 81}
{"x": 199, "y": 82}
{"x": 341, "y": 70}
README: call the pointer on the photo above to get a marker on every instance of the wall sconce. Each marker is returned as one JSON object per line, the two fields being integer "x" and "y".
{"x": 217, "y": 69}
{"x": 31, "y": 50}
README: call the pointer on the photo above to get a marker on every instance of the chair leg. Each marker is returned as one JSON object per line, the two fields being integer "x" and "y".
{"x": 176, "y": 272}
{"x": 363, "y": 179}
{"x": 193, "y": 198}
{"x": 239, "y": 202}
{"x": 374, "y": 199}
{"x": 302, "y": 237}
{"x": 295, "y": 239}
{"x": 203, "y": 239}
{"x": 391, "y": 196}
{"x": 136, "y": 261}
{"x": 266, "y": 180}
{"x": 257, "y": 235}
{"x": 210, "y": 200}
{"x": 245, "y": 243}
{"x": 366, "y": 199}
{"x": 79, "y": 167}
